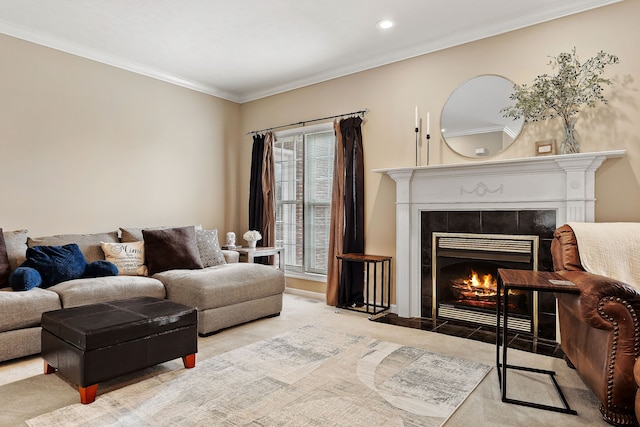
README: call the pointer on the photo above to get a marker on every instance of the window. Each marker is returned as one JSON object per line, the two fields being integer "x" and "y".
{"x": 304, "y": 176}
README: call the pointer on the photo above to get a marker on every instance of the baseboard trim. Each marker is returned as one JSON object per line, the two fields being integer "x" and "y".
{"x": 322, "y": 297}
{"x": 307, "y": 294}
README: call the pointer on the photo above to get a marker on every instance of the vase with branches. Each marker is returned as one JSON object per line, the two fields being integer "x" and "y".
{"x": 574, "y": 86}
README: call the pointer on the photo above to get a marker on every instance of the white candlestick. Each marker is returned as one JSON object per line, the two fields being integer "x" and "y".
{"x": 416, "y": 117}
{"x": 428, "y": 125}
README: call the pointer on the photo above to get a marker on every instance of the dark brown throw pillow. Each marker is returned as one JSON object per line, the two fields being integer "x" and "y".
{"x": 5, "y": 270}
{"x": 171, "y": 248}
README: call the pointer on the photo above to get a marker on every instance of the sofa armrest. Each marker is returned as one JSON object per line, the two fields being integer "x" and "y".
{"x": 231, "y": 257}
{"x": 606, "y": 303}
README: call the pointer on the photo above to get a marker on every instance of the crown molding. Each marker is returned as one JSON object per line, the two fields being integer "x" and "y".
{"x": 473, "y": 34}
{"x": 241, "y": 97}
{"x": 112, "y": 60}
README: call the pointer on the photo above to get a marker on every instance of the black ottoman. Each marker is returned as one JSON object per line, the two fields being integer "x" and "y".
{"x": 98, "y": 342}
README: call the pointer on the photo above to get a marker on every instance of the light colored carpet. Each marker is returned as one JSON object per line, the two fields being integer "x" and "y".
{"x": 26, "y": 393}
{"x": 305, "y": 377}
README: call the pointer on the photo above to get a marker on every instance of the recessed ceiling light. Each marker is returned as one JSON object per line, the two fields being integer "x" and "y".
{"x": 385, "y": 24}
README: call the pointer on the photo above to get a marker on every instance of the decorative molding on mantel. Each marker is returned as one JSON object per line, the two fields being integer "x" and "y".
{"x": 481, "y": 189}
{"x": 540, "y": 161}
{"x": 564, "y": 183}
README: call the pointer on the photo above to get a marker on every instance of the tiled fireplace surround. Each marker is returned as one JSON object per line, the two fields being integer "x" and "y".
{"x": 541, "y": 223}
{"x": 518, "y": 196}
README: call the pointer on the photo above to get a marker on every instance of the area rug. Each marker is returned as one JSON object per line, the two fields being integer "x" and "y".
{"x": 305, "y": 377}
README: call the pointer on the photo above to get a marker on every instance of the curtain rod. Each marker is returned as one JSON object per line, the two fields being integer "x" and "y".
{"x": 359, "y": 113}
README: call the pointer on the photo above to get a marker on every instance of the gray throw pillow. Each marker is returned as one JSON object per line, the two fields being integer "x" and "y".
{"x": 209, "y": 248}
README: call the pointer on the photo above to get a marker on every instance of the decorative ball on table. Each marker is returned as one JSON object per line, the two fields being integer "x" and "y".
{"x": 252, "y": 237}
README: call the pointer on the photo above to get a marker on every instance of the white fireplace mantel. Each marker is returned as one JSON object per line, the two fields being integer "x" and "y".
{"x": 565, "y": 183}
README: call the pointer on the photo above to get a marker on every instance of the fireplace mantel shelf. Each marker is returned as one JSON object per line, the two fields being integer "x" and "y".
{"x": 492, "y": 164}
{"x": 564, "y": 183}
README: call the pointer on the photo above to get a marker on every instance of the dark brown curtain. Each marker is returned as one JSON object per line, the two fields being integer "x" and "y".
{"x": 336, "y": 227}
{"x": 262, "y": 213}
{"x": 352, "y": 277}
{"x": 256, "y": 198}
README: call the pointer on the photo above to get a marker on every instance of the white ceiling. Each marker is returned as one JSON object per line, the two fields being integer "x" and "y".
{"x": 242, "y": 50}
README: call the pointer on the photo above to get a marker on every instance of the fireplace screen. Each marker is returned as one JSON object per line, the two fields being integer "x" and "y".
{"x": 465, "y": 277}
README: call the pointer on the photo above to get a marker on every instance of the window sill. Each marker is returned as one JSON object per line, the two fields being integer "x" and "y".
{"x": 307, "y": 276}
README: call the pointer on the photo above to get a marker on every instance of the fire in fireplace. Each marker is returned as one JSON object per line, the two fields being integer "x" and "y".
{"x": 462, "y": 285}
{"x": 476, "y": 290}
{"x": 465, "y": 271}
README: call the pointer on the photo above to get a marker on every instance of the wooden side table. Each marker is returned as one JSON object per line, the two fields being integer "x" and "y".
{"x": 378, "y": 305}
{"x": 250, "y": 254}
{"x": 526, "y": 280}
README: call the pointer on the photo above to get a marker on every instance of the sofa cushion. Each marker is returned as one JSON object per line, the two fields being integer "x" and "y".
{"x": 223, "y": 285}
{"x": 133, "y": 234}
{"x": 5, "y": 270}
{"x": 171, "y": 248}
{"x": 19, "y": 343}
{"x": 24, "y": 309}
{"x": 77, "y": 292}
{"x": 127, "y": 256}
{"x": 209, "y": 248}
{"x": 16, "y": 244}
{"x": 56, "y": 263}
{"x": 89, "y": 244}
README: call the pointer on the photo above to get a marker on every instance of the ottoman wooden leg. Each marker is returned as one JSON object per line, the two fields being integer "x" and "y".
{"x": 88, "y": 394}
{"x": 189, "y": 361}
{"x": 48, "y": 369}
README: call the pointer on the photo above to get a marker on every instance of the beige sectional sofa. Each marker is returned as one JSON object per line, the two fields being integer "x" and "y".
{"x": 225, "y": 295}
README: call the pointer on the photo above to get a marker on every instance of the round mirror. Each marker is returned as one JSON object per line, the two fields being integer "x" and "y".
{"x": 472, "y": 122}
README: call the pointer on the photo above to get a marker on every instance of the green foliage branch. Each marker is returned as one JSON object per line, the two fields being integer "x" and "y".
{"x": 574, "y": 86}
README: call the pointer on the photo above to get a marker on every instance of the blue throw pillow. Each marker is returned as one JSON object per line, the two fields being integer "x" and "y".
{"x": 24, "y": 278}
{"x": 100, "y": 268}
{"x": 56, "y": 263}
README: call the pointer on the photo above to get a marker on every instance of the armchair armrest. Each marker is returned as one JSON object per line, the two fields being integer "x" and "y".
{"x": 605, "y": 303}
{"x": 636, "y": 375}
{"x": 601, "y": 337}
{"x": 600, "y": 330}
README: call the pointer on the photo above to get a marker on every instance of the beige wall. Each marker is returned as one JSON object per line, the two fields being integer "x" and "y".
{"x": 391, "y": 93}
{"x": 86, "y": 147}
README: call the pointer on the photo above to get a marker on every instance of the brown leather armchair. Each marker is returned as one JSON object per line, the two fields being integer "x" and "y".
{"x": 636, "y": 374}
{"x": 599, "y": 331}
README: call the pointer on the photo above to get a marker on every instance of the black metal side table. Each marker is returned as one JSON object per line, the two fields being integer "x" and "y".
{"x": 526, "y": 280}
{"x": 380, "y": 302}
